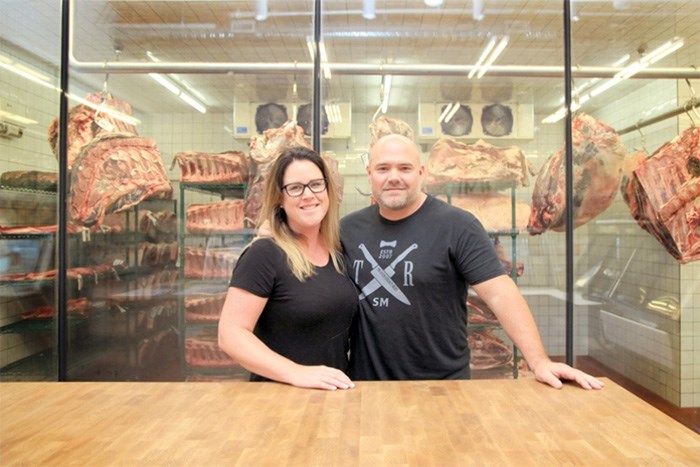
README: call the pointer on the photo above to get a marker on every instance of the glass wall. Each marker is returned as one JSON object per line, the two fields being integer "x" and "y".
{"x": 637, "y": 269}
{"x": 29, "y": 102}
{"x": 201, "y": 93}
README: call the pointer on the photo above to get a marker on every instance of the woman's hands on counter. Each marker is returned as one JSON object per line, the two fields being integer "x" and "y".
{"x": 319, "y": 377}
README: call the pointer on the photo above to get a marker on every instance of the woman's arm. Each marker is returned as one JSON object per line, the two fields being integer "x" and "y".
{"x": 239, "y": 315}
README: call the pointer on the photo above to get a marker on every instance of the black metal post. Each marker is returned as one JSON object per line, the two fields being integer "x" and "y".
{"x": 569, "y": 166}
{"x": 62, "y": 231}
{"x": 317, "y": 78}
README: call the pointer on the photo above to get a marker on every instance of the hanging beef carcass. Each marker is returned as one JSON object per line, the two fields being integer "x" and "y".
{"x": 114, "y": 172}
{"x": 494, "y": 210}
{"x": 222, "y": 167}
{"x": 264, "y": 149}
{"x": 664, "y": 195}
{"x": 598, "y": 154}
{"x": 383, "y": 126}
{"x": 452, "y": 160}
{"x": 85, "y": 122}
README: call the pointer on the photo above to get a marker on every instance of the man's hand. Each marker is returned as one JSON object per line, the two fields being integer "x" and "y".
{"x": 552, "y": 373}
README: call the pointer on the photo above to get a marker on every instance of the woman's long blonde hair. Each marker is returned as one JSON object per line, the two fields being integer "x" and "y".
{"x": 280, "y": 231}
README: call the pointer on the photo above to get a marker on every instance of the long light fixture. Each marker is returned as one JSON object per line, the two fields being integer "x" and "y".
{"x": 574, "y": 11}
{"x": 26, "y": 72}
{"x": 488, "y": 56}
{"x": 325, "y": 67}
{"x": 579, "y": 89}
{"x": 627, "y": 72}
{"x": 168, "y": 83}
{"x": 126, "y": 118}
{"x": 478, "y": 10}
{"x": 432, "y": 2}
{"x": 369, "y": 9}
{"x": 261, "y": 10}
{"x": 333, "y": 113}
{"x": 448, "y": 112}
{"x": 385, "y": 91}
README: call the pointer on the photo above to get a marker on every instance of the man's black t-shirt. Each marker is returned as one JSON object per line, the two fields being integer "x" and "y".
{"x": 414, "y": 272}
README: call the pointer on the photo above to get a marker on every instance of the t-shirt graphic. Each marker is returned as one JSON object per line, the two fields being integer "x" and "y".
{"x": 383, "y": 277}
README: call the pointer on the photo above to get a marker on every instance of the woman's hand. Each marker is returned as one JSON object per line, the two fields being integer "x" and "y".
{"x": 319, "y": 377}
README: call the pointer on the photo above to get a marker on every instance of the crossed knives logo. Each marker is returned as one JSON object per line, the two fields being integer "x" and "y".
{"x": 383, "y": 277}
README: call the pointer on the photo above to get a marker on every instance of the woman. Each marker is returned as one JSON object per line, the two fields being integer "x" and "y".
{"x": 289, "y": 305}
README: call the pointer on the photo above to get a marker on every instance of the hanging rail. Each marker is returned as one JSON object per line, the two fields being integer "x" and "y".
{"x": 691, "y": 104}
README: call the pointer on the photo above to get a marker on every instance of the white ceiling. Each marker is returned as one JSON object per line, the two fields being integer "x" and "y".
{"x": 403, "y": 32}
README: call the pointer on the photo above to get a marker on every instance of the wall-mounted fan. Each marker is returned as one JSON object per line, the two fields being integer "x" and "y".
{"x": 460, "y": 123}
{"x": 270, "y": 115}
{"x": 305, "y": 120}
{"x": 497, "y": 120}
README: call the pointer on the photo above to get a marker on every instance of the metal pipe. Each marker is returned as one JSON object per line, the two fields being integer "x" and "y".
{"x": 374, "y": 69}
{"x": 691, "y": 104}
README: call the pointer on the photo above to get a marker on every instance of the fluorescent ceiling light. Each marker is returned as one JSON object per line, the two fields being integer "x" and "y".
{"x": 478, "y": 10}
{"x": 261, "y": 10}
{"x": 17, "y": 118}
{"x": 630, "y": 70}
{"x": 182, "y": 82}
{"x": 369, "y": 9}
{"x": 27, "y": 73}
{"x": 574, "y": 11}
{"x": 175, "y": 89}
{"x": 163, "y": 81}
{"x": 433, "y": 2}
{"x": 105, "y": 110}
{"x": 453, "y": 111}
{"x": 444, "y": 113}
{"x": 333, "y": 112}
{"x": 492, "y": 57}
{"x": 483, "y": 56}
{"x": 324, "y": 60}
{"x": 190, "y": 100}
{"x": 386, "y": 90}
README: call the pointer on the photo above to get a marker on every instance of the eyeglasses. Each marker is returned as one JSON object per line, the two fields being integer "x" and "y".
{"x": 297, "y": 189}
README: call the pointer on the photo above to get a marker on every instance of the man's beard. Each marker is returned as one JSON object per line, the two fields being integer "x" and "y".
{"x": 397, "y": 203}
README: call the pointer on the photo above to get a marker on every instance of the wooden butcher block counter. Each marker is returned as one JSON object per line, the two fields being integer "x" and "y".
{"x": 512, "y": 422}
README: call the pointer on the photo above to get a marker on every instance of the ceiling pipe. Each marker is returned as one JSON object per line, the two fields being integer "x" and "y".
{"x": 372, "y": 69}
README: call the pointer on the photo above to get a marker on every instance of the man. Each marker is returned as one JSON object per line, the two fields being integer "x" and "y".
{"x": 414, "y": 257}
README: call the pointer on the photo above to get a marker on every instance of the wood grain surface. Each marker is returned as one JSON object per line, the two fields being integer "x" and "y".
{"x": 421, "y": 423}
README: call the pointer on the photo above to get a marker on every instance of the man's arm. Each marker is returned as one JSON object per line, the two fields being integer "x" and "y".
{"x": 505, "y": 300}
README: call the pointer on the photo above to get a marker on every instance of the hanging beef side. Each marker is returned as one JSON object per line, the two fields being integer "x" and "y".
{"x": 383, "y": 126}
{"x": 453, "y": 161}
{"x": 264, "y": 149}
{"x": 114, "y": 172}
{"x": 487, "y": 350}
{"x": 85, "y": 123}
{"x": 494, "y": 210}
{"x": 598, "y": 154}
{"x": 664, "y": 195}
